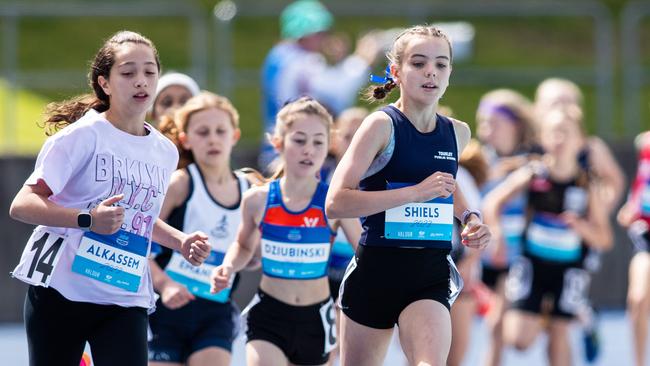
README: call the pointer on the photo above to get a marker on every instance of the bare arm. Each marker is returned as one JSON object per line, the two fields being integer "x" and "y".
{"x": 607, "y": 168}
{"x": 493, "y": 205}
{"x": 33, "y": 206}
{"x": 343, "y": 197}
{"x": 241, "y": 252}
{"x": 176, "y": 193}
{"x": 352, "y": 230}
{"x": 173, "y": 294}
{"x": 497, "y": 198}
{"x": 248, "y": 234}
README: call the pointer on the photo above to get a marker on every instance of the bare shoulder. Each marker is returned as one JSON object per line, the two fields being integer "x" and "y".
{"x": 599, "y": 148}
{"x": 179, "y": 185}
{"x": 463, "y": 133}
{"x": 374, "y": 133}
{"x": 254, "y": 199}
{"x": 642, "y": 140}
{"x": 595, "y": 142}
{"x": 460, "y": 126}
{"x": 378, "y": 122}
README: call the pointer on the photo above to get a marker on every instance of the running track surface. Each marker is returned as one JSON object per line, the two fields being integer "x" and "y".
{"x": 615, "y": 338}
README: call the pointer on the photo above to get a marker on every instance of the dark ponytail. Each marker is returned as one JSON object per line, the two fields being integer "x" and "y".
{"x": 373, "y": 93}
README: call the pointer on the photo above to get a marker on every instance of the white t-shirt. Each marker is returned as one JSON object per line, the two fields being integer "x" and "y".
{"x": 88, "y": 162}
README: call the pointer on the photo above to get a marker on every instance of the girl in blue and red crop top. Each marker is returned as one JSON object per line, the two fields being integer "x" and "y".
{"x": 292, "y": 318}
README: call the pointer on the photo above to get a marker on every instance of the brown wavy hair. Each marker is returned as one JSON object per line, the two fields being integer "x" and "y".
{"x": 172, "y": 127}
{"x": 61, "y": 114}
{"x": 287, "y": 116}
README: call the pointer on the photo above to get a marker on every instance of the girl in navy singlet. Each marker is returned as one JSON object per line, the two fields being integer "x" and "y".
{"x": 191, "y": 325}
{"x": 291, "y": 319}
{"x": 398, "y": 175}
{"x": 564, "y": 218}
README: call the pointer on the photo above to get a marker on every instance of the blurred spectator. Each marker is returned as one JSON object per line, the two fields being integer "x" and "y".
{"x": 297, "y": 65}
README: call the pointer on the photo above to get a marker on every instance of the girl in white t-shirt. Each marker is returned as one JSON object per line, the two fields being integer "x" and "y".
{"x": 96, "y": 193}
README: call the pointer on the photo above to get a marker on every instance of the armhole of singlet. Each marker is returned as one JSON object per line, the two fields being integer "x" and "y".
{"x": 453, "y": 131}
{"x": 322, "y": 189}
{"x": 381, "y": 160}
{"x": 269, "y": 197}
{"x": 190, "y": 186}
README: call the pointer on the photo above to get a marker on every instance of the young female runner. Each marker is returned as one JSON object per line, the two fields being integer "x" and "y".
{"x": 564, "y": 219}
{"x": 96, "y": 193}
{"x": 291, "y": 320}
{"x": 399, "y": 176}
{"x": 192, "y": 326}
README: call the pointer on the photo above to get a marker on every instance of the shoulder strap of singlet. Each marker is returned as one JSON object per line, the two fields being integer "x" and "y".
{"x": 319, "y": 196}
{"x": 244, "y": 184}
{"x": 319, "y": 201}
{"x": 449, "y": 124}
{"x": 392, "y": 112}
{"x": 195, "y": 177}
{"x": 275, "y": 194}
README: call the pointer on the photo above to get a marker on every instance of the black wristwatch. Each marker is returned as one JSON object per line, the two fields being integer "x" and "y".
{"x": 84, "y": 220}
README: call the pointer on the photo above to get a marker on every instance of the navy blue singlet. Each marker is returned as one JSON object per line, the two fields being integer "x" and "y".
{"x": 416, "y": 156}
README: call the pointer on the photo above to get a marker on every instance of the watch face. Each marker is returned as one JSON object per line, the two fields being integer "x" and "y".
{"x": 84, "y": 220}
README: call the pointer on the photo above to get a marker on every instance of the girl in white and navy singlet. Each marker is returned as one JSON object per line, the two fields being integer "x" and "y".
{"x": 564, "y": 219}
{"x": 291, "y": 319}
{"x": 398, "y": 175}
{"x": 190, "y": 321}
{"x": 96, "y": 193}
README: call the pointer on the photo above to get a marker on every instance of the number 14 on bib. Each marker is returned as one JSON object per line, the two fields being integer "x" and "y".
{"x": 39, "y": 258}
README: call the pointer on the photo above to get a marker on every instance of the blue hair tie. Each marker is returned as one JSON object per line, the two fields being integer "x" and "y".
{"x": 382, "y": 80}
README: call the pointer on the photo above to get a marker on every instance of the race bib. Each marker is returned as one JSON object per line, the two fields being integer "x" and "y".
{"x": 548, "y": 237}
{"x": 197, "y": 278}
{"x": 40, "y": 257}
{"x": 576, "y": 200}
{"x": 298, "y": 261}
{"x": 119, "y": 259}
{"x": 328, "y": 317}
{"x": 512, "y": 226}
{"x": 431, "y": 220}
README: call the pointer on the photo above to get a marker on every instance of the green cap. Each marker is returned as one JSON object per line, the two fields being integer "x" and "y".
{"x": 304, "y": 17}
